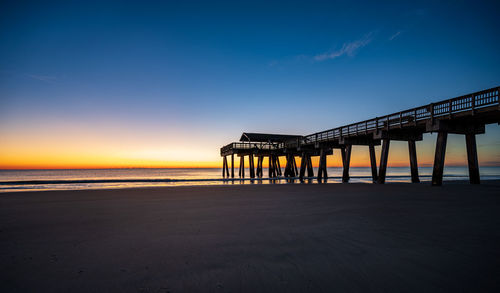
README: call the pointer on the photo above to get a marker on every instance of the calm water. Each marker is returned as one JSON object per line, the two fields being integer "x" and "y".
{"x": 35, "y": 180}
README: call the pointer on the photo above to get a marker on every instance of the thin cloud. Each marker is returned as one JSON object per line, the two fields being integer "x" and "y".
{"x": 395, "y": 36}
{"x": 348, "y": 49}
{"x": 44, "y": 78}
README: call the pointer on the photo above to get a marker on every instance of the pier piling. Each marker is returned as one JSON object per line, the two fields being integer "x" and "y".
{"x": 384, "y": 155}
{"x": 373, "y": 162}
{"x": 346, "y": 161}
{"x": 232, "y": 165}
{"x": 437, "y": 171}
{"x": 251, "y": 166}
{"x": 470, "y": 141}
{"x": 413, "y": 161}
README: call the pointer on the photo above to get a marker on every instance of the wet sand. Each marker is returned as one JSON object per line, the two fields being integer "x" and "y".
{"x": 262, "y": 238}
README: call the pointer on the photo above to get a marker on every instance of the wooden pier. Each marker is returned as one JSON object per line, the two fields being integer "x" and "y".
{"x": 466, "y": 115}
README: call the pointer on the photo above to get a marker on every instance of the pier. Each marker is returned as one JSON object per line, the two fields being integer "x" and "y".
{"x": 466, "y": 115}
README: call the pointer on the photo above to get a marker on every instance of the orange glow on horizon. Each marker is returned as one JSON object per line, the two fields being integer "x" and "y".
{"x": 131, "y": 164}
{"x": 90, "y": 159}
{"x": 76, "y": 149}
{"x": 23, "y": 159}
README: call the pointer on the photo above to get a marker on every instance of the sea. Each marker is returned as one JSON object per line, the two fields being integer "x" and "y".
{"x": 76, "y": 179}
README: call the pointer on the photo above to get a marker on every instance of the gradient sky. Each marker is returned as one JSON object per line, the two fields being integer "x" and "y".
{"x": 136, "y": 84}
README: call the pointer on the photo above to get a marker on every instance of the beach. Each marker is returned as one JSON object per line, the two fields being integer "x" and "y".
{"x": 253, "y": 238}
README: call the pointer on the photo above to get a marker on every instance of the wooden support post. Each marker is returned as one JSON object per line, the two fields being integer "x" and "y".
{"x": 232, "y": 166}
{"x": 325, "y": 173}
{"x": 262, "y": 166}
{"x": 278, "y": 166}
{"x": 270, "y": 168}
{"x": 342, "y": 155}
{"x": 310, "y": 170}
{"x": 320, "y": 167}
{"x": 223, "y": 167}
{"x": 383, "y": 161}
{"x": 275, "y": 167}
{"x": 413, "y": 161}
{"x": 437, "y": 171}
{"x": 296, "y": 171}
{"x": 275, "y": 171}
{"x": 259, "y": 166}
{"x": 303, "y": 162}
{"x": 242, "y": 166}
{"x": 322, "y": 173}
{"x": 251, "y": 165}
{"x": 373, "y": 162}
{"x": 470, "y": 141}
{"x": 227, "y": 167}
{"x": 346, "y": 161}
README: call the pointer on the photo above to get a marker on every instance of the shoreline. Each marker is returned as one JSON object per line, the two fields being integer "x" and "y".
{"x": 249, "y": 182}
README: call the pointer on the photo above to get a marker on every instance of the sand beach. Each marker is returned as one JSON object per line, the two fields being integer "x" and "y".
{"x": 261, "y": 238}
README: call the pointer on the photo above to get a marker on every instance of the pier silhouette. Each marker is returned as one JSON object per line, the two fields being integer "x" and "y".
{"x": 466, "y": 115}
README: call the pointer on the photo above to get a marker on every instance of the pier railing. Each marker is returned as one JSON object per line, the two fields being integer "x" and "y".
{"x": 444, "y": 109}
{"x": 250, "y": 146}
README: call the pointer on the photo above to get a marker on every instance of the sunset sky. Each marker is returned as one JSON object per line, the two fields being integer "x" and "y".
{"x": 133, "y": 84}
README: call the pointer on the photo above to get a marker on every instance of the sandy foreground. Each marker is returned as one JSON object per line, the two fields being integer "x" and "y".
{"x": 259, "y": 238}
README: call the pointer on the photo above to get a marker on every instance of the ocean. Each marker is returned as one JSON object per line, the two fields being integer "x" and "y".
{"x": 39, "y": 180}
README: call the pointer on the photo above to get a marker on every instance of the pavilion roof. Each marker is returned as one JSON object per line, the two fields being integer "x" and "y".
{"x": 267, "y": 137}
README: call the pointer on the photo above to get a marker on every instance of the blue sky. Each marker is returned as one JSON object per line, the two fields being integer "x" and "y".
{"x": 121, "y": 72}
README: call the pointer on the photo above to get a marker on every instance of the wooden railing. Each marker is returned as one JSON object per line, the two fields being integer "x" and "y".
{"x": 410, "y": 117}
{"x": 250, "y": 145}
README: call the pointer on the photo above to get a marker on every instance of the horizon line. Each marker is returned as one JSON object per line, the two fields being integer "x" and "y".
{"x": 125, "y": 168}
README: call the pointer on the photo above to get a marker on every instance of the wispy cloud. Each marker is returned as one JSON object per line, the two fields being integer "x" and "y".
{"x": 395, "y": 36}
{"x": 348, "y": 49}
{"x": 44, "y": 78}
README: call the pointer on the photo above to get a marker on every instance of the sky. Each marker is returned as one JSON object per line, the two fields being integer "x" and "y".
{"x": 103, "y": 84}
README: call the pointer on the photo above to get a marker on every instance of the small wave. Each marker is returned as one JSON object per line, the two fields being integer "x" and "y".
{"x": 170, "y": 180}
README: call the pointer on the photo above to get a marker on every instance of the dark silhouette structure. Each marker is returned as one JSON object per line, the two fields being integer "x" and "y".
{"x": 466, "y": 115}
